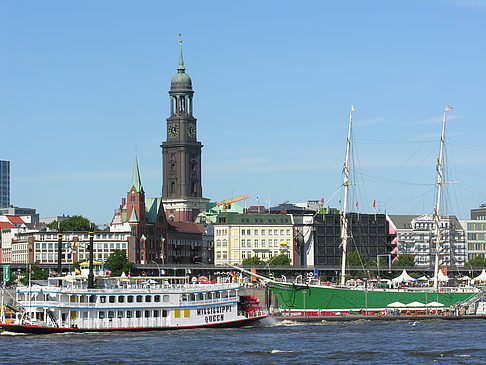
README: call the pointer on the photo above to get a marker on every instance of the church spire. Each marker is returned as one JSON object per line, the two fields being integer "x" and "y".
{"x": 136, "y": 182}
{"x": 181, "y": 67}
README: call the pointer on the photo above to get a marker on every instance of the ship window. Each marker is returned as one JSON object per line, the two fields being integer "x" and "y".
{"x": 148, "y": 298}
{"x": 129, "y": 314}
{"x": 111, "y": 299}
{"x": 130, "y": 299}
{"x": 156, "y": 313}
{"x": 101, "y": 315}
{"x": 177, "y": 313}
{"x": 187, "y": 313}
{"x": 139, "y": 298}
{"x": 232, "y": 293}
{"x": 184, "y": 297}
{"x": 121, "y": 299}
{"x": 111, "y": 314}
{"x": 201, "y": 296}
{"x": 157, "y": 298}
{"x": 218, "y": 294}
{"x": 224, "y": 294}
{"x": 210, "y": 295}
{"x": 164, "y": 313}
{"x": 165, "y": 298}
{"x": 192, "y": 297}
{"x": 102, "y": 299}
{"x": 119, "y": 314}
{"x": 92, "y": 299}
{"x": 138, "y": 314}
{"x": 147, "y": 314}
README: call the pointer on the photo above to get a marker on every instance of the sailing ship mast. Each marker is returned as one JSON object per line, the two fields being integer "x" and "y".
{"x": 344, "y": 219}
{"x": 438, "y": 234}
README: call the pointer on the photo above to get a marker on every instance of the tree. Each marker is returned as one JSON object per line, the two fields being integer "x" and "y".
{"x": 405, "y": 260}
{"x": 372, "y": 263}
{"x": 118, "y": 262}
{"x": 477, "y": 261}
{"x": 280, "y": 260}
{"x": 354, "y": 259}
{"x": 75, "y": 223}
{"x": 36, "y": 273}
{"x": 253, "y": 261}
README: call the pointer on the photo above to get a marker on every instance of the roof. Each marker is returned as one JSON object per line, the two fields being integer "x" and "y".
{"x": 402, "y": 221}
{"x": 14, "y": 219}
{"x": 152, "y": 206}
{"x": 185, "y": 227}
{"x": 136, "y": 182}
{"x": 259, "y": 219}
{"x": 5, "y": 225}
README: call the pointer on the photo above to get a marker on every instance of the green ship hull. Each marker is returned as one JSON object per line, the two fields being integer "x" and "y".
{"x": 321, "y": 300}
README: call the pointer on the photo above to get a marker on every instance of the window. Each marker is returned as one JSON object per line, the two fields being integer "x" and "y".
{"x": 165, "y": 298}
{"x": 111, "y": 314}
{"x": 111, "y": 299}
{"x": 263, "y": 243}
{"x": 256, "y": 232}
{"x": 130, "y": 299}
{"x": 101, "y": 315}
{"x": 288, "y": 231}
{"x": 147, "y": 314}
{"x": 187, "y": 313}
{"x": 177, "y": 313}
{"x": 156, "y": 313}
{"x": 248, "y": 233}
{"x": 121, "y": 299}
{"x": 225, "y": 243}
{"x": 102, "y": 299}
{"x": 270, "y": 232}
{"x": 129, "y": 314}
{"x": 256, "y": 243}
{"x": 138, "y": 314}
{"x": 156, "y": 298}
{"x": 263, "y": 232}
{"x": 148, "y": 298}
{"x": 243, "y": 243}
{"x": 164, "y": 313}
{"x": 119, "y": 314}
{"x": 139, "y": 299}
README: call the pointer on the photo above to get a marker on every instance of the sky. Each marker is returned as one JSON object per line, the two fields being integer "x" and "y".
{"x": 84, "y": 86}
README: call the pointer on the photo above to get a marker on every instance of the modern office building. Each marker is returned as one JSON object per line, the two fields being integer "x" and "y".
{"x": 4, "y": 184}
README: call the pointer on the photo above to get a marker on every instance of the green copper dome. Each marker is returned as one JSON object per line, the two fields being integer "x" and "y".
{"x": 181, "y": 80}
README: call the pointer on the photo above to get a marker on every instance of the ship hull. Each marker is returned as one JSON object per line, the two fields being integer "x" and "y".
{"x": 33, "y": 329}
{"x": 314, "y": 300}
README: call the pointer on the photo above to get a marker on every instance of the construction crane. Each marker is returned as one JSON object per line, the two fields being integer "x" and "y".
{"x": 227, "y": 202}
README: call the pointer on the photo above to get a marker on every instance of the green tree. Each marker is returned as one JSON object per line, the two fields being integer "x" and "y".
{"x": 405, "y": 260}
{"x": 354, "y": 259}
{"x": 280, "y": 260}
{"x": 372, "y": 263}
{"x": 36, "y": 274}
{"x": 75, "y": 223}
{"x": 118, "y": 263}
{"x": 477, "y": 261}
{"x": 253, "y": 261}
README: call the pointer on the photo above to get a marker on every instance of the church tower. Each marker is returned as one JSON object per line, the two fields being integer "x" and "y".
{"x": 181, "y": 153}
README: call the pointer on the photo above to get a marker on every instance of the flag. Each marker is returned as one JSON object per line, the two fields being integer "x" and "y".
{"x": 232, "y": 274}
{"x": 129, "y": 273}
{"x": 352, "y": 108}
{"x": 356, "y": 204}
{"x": 31, "y": 272}
{"x": 322, "y": 201}
{"x": 188, "y": 271}
{"x": 77, "y": 271}
{"x": 162, "y": 272}
{"x": 448, "y": 107}
{"x": 374, "y": 203}
{"x": 52, "y": 273}
{"x": 107, "y": 271}
{"x": 316, "y": 273}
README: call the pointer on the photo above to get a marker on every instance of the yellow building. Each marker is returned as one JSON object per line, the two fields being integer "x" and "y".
{"x": 240, "y": 236}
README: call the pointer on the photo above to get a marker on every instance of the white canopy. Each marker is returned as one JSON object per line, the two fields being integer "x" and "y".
{"x": 415, "y": 305}
{"x": 423, "y": 278}
{"x": 441, "y": 276}
{"x": 435, "y": 304}
{"x": 481, "y": 277}
{"x": 396, "y": 305}
{"x": 403, "y": 277}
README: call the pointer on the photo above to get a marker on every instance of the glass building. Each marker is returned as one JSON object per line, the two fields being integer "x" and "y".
{"x": 4, "y": 184}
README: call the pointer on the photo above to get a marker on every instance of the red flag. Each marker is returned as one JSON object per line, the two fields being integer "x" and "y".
{"x": 322, "y": 200}
{"x": 374, "y": 203}
{"x": 356, "y": 204}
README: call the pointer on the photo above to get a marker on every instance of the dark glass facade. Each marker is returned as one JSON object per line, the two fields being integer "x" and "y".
{"x": 4, "y": 184}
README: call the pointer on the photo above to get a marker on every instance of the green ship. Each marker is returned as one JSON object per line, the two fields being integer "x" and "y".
{"x": 321, "y": 300}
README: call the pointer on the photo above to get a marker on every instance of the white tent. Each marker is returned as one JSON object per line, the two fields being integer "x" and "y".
{"x": 396, "y": 305}
{"x": 435, "y": 304}
{"x": 423, "y": 278}
{"x": 481, "y": 277}
{"x": 441, "y": 276}
{"x": 415, "y": 305}
{"x": 403, "y": 277}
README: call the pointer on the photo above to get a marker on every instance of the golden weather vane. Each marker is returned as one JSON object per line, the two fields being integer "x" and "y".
{"x": 180, "y": 38}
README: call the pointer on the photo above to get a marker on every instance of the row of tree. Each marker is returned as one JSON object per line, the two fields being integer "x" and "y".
{"x": 280, "y": 260}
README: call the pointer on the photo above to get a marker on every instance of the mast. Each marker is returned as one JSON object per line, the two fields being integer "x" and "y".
{"x": 438, "y": 234}
{"x": 344, "y": 219}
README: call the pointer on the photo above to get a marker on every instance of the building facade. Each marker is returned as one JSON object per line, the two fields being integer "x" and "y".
{"x": 241, "y": 236}
{"x": 181, "y": 153}
{"x": 42, "y": 247}
{"x": 415, "y": 236}
{"x": 369, "y": 235}
{"x": 4, "y": 184}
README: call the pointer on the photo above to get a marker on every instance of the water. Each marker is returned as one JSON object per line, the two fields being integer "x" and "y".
{"x": 360, "y": 342}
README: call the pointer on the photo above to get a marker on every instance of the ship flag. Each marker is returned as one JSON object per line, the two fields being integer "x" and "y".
{"x": 448, "y": 107}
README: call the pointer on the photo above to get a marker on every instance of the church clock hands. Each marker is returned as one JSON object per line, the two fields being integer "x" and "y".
{"x": 191, "y": 130}
{"x": 173, "y": 130}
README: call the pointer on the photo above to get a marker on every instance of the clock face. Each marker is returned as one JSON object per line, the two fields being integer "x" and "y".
{"x": 173, "y": 130}
{"x": 191, "y": 130}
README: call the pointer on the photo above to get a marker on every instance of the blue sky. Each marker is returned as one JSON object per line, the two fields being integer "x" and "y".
{"x": 83, "y": 84}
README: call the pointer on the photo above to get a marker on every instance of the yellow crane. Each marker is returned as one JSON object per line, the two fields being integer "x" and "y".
{"x": 227, "y": 202}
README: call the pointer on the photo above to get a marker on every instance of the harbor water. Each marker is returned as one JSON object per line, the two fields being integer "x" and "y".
{"x": 272, "y": 342}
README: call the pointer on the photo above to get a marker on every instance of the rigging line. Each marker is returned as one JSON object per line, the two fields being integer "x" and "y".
{"x": 468, "y": 145}
{"x": 468, "y": 170}
{"x": 394, "y": 142}
{"x": 379, "y": 178}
